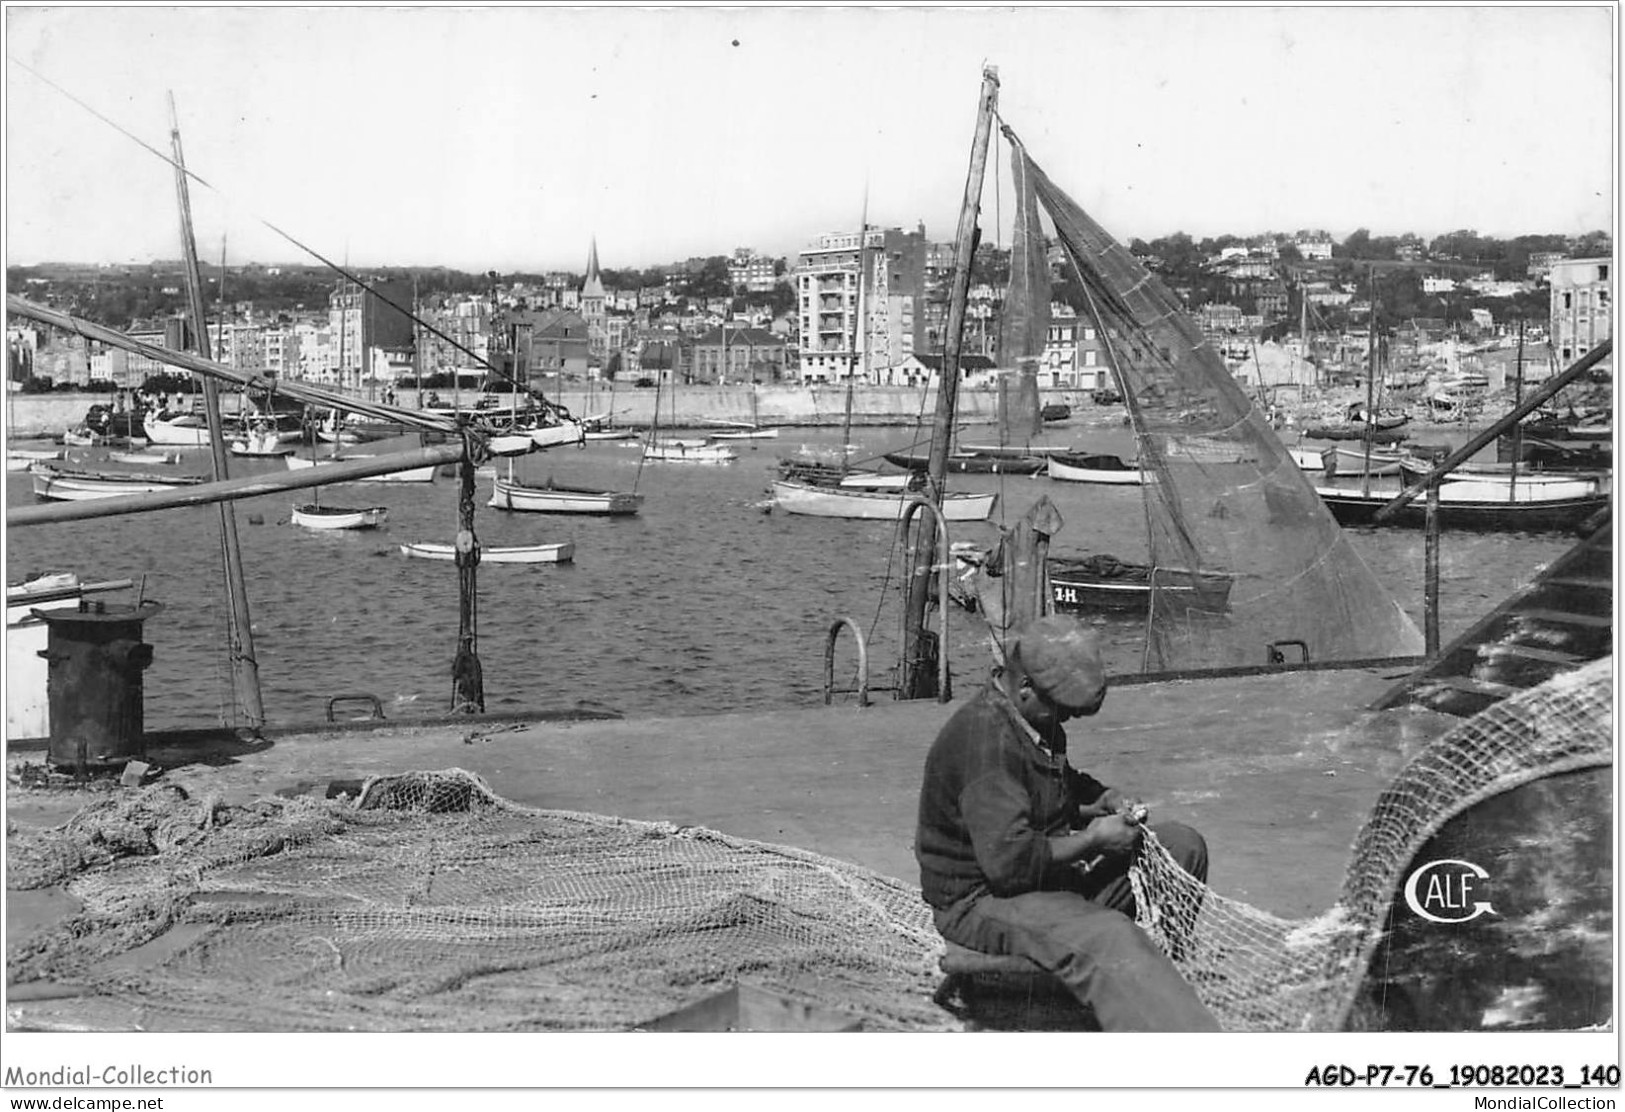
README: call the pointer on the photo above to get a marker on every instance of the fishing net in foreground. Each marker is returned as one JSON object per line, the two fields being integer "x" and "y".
{"x": 1262, "y": 973}
{"x": 431, "y": 903}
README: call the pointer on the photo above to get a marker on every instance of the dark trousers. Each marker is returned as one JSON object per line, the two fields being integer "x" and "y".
{"x": 1087, "y": 939}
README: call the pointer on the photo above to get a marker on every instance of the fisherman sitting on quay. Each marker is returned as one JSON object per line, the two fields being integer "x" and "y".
{"x": 1022, "y": 854}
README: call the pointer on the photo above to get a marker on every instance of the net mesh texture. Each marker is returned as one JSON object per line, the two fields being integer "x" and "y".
{"x": 1258, "y": 972}
{"x": 1223, "y": 496}
{"x": 431, "y": 903}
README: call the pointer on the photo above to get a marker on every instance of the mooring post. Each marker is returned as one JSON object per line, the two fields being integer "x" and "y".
{"x": 1430, "y": 578}
{"x": 467, "y": 682}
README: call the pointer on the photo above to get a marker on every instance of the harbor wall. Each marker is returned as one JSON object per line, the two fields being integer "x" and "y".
{"x": 35, "y": 415}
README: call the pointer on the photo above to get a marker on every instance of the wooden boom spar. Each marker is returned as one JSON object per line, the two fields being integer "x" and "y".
{"x": 231, "y": 490}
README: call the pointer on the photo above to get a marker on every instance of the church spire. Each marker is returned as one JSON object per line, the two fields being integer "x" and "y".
{"x": 594, "y": 285}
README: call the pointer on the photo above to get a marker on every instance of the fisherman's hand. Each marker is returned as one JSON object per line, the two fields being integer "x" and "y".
{"x": 1115, "y": 835}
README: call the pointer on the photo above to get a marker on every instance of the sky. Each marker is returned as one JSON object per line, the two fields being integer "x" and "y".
{"x": 507, "y": 138}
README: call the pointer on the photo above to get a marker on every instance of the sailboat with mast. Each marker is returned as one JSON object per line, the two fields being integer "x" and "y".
{"x": 677, "y": 449}
{"x": 752, "y": 430}
{"x": 815, "y": 488}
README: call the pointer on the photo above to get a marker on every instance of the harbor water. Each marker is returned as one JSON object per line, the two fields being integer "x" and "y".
{"x": 703, "y": 603}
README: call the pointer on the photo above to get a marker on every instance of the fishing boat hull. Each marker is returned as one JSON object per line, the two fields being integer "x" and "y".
{"x": 1502, "y": 473}
{"x": 22, "y": 459}
{"x": 338, "y": 517}
{"x": 562, "y": 553}
{"x": 1105, "y": 583}
{"x": 563, "y": 500}
{"x": 1473, "y": 505}
{"x": 56, "y": 486}
{"x": 747, "y": 434}
{"x": 1094, "y": 469}
{"x": 1352, "y": 461}
{"x": 423, "y": 474}
{"x": 186, "y": 432}
{"x": 1355, "y": 432}
{"x": 682, "y": 452}
{"x": 554, "y": 436}
{"x": 261, "y": 445}
{"x": 971, "y": 463}
{"x": 808, "y": 500}
{"x": 511, "y": 444}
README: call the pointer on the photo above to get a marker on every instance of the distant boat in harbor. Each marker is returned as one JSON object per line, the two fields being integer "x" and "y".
{"x": 71, "y": 486}
{"x": 180, "y": 431}
{"x": 970, "y": 463}
{"x": 681, "y": 451}
{"x": 560, "y": 553}
{"x": 1104, "y": 582}
{"x": 424, "y": 474}
{"x": 808, "y": 500}
{"x": 314, "y": 516}
{"x": 1471, "y": 504}
{"x": 554, "y": 498}
{"x": 1095, "y": 469}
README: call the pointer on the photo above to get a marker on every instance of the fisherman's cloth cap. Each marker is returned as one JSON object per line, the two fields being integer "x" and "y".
{"x": 1062, "y": 659}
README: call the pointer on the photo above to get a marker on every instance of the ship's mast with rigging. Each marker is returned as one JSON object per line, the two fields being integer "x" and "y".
{"x": 919, "y": 664}
{"x": 244, "y": 665}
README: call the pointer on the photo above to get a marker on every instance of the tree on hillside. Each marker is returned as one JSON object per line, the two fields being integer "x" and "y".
{"x": 1178, "y": 253}
{"x": 1592, "y": 245}
{"x": 711, "y": 280}
{"x": 1356, "y": 245}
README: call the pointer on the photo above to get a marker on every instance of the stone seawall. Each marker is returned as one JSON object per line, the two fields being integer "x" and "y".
{"x": 35, "y": 415}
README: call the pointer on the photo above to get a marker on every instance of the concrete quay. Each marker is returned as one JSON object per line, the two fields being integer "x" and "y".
{"x": 1279, "y": 771}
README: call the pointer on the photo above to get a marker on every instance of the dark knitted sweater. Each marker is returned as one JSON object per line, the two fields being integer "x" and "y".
{"x": 990, "y": 801}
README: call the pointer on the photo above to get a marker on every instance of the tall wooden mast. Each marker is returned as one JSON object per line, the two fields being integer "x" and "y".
{"x": 245, "y": 676}
{"x": 919, "y": 664}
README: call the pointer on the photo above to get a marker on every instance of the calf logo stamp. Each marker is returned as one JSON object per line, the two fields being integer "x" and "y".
{"x": 1448, "y": 891}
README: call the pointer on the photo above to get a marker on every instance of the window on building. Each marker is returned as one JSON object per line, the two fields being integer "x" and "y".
{"x": 1602, "y": 273}
{"x": 1568, "y": 301}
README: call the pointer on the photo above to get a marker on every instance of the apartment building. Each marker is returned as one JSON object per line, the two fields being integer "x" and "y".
{"x": 360, "y": 320}
{"x": 1073, "y": 356}
{"x": 1581, "y": 306}
{"x": 752, "y": 271}
{"x": 839, "y": 336}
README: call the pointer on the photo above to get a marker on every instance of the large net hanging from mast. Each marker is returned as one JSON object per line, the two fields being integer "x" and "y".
{"x": 1223, "y": 496}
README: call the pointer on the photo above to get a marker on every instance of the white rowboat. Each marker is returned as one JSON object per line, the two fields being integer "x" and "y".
{"x": 1094, "y": 469}
{"x": 552, "y": 499}
{"x": 562, "y": 553}
{"x": 62, "y": 487}
{"x": 672, "y": 451}
{"x": 816, "y": 501}
{"x": 312, "y": 516}
{"x": 182, "y": 432}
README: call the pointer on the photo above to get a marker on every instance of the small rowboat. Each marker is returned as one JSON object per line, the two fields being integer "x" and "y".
{"x": 312, "y": 516}
{"x": 680, "y": 451}
{"x": 561, "y": 553}
{"x": 554, "y": 499}
{"x": 1095, "y": 469}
